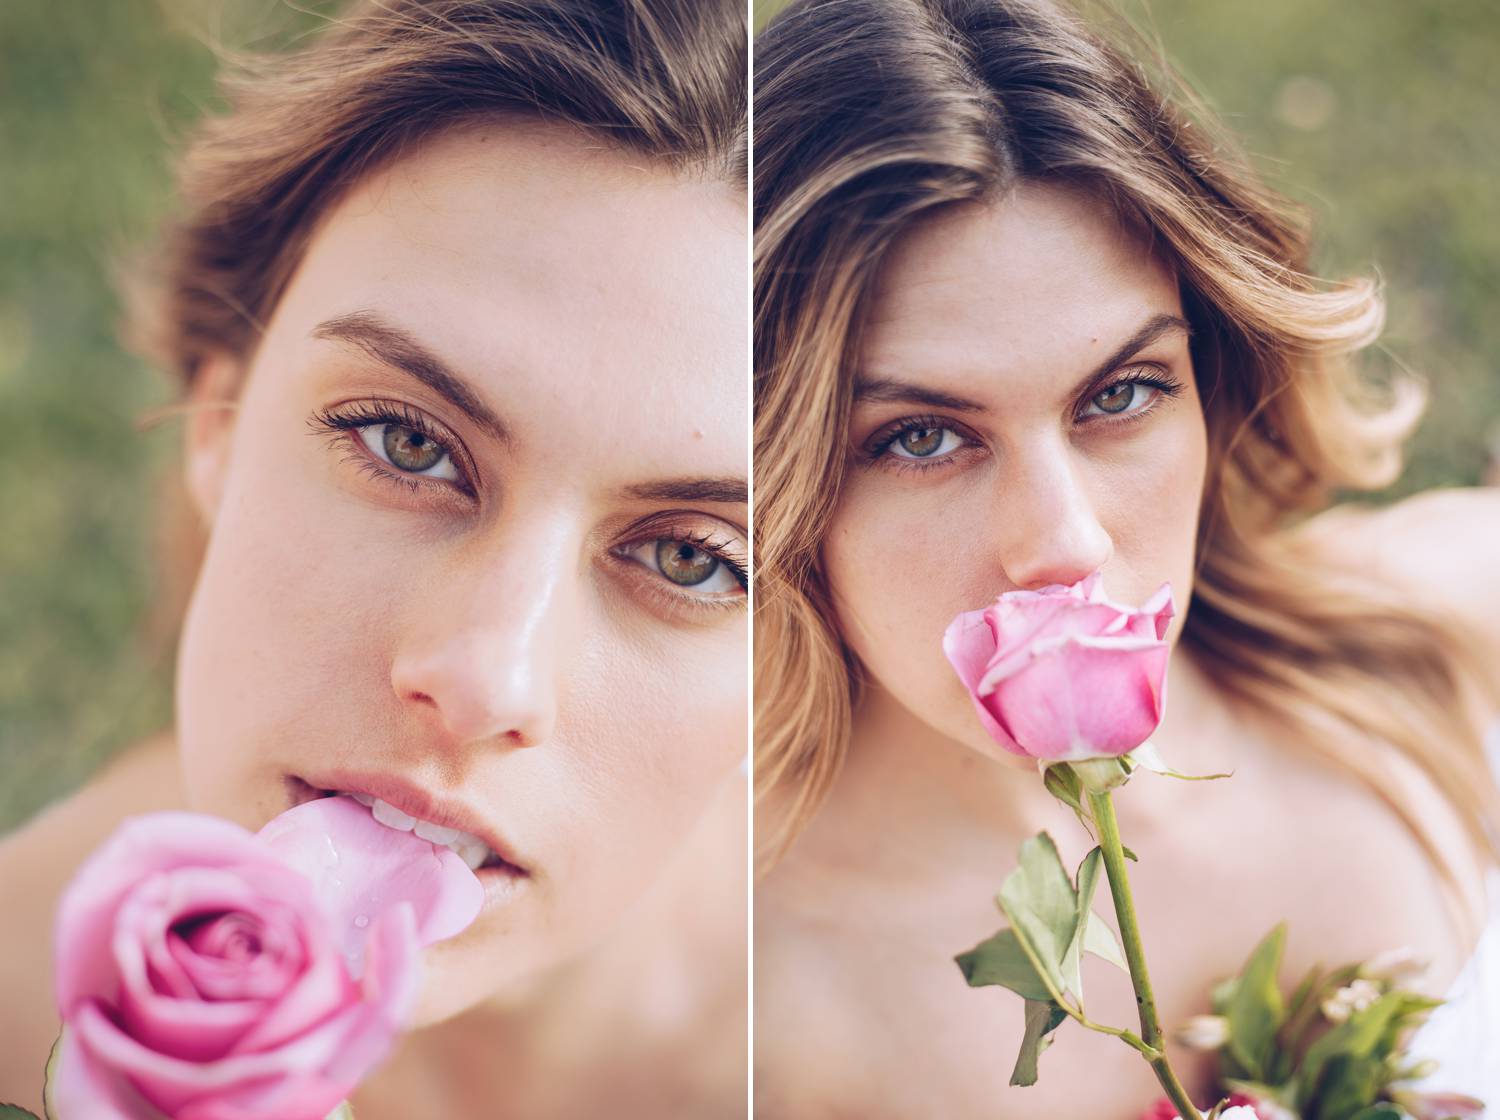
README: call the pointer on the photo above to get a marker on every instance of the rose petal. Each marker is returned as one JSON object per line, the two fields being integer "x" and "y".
{"x": 322, "y": 986}
{"x": 1086, "y": 700}
{"x": 82, "y": 1087}
{"x": 361, "y": 869}
{"x": 1070, "y": 675}
{"x": 172, "y": 1084}
{"x": 140, "y": 847}
{"x": 204, "y": 1027}
{"x": 969, "y": 644}
{"x": 1061, "y": 622}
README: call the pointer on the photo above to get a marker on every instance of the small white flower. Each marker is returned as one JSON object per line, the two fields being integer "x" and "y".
{"x": 1238, "y": 1112}
{"x": 1344, "y": 1002}
{"x": 1204, "y": 1032}
{"x": 1395, "y": 966}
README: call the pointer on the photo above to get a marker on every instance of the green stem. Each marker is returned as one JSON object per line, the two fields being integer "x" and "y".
{"x": 1130, "y": 935}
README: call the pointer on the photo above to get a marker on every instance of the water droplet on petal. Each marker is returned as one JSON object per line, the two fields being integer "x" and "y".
{"x": 361, "y": 920}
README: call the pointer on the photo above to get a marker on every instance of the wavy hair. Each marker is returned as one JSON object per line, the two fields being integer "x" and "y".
{"x": 871, "y": 114}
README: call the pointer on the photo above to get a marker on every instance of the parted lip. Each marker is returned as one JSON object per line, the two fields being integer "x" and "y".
{"x": 412, "y": 799}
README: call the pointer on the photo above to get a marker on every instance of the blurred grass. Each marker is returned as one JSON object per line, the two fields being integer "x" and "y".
{"x": 93, "y": 94}
{"x": 1383, "y": 117}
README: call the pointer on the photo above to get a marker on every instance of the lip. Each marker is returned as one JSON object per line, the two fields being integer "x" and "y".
{"x": 415, "y": 801}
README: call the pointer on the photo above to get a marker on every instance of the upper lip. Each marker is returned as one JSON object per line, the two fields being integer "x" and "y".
{"x": 416, "y": 801}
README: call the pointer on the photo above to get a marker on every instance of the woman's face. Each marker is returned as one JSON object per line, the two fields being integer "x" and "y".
{"x": 1025, "y": 413}
{"x": 479, "y": 530}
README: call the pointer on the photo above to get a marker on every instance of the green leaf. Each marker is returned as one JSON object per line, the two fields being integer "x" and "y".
{"x": 1349, "y": 1086}
{"x": 1254, "y": 1008}
{"x": 1358, "y": 1037}
{"x": 49, "y": 1075}
{"x": 1088, "y": 882}
{"x": 1128, "y": 854}
{"x": 1062, "y": 783}
{"x": 1100, "y": 940}
{"x": 1380, "y": 1112}
{"x": 1001, "y": 960}
{"x": 15, "y": 1112}
{"x": 345, "y": 1111}
{"x": 1042, "y": 1018}
{"x": 1092, "y": 934}
{"x": 1039, "y": 900}
{"x": 1148, "y": 756}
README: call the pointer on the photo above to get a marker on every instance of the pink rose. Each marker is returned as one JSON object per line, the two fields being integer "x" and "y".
{"x": 201, "y": 974}
{"x": 1063, "y": 674}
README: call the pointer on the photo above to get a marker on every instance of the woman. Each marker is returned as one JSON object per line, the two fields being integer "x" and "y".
{"x": 456, "y": 297}
{"x": 1034, "y": 324}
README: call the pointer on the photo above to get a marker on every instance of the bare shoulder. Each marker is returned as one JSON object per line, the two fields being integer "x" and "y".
{"x": 817, "y": 995}
{"x": 792, "y": 1076}
{"x": 36, "y": 862}
{"x": 1353, "y": 876}
{"x": 1442, "y": 547}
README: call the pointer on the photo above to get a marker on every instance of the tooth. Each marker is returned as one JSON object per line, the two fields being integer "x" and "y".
{"x": 436, "y": 832}
{"x": 392, "y": 817}
{"x": 363, "y": 798}
{"x": 473, "y": 853}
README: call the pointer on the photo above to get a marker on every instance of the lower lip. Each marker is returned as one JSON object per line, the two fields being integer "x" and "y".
{"x": 500, "y": 884}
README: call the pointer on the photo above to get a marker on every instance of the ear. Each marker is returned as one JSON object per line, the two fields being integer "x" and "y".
{"x": 214, "y": 403}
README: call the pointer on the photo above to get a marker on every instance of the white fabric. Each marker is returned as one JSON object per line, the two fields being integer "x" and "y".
{"x": 1463, "y": 1035}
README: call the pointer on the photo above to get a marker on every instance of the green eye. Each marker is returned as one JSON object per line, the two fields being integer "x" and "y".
{"x": 411, "y": 450}
{"x": 1117, "y": 398}
{"x": 921, "y": 442}
{"x": 684, "y": 564}
{"x": 688, "y": 566}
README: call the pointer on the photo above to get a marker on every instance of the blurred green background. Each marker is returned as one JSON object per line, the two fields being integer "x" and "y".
{"x": 94, "y": 97}
{"x": 1381, "y": 115}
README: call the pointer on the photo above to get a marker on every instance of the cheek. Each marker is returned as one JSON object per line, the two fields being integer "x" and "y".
{"x": 280, "y": 627}
{"x": 900, "y": 564}
{"x": 1150, "y": 506}
{"x": 654, "y": 727}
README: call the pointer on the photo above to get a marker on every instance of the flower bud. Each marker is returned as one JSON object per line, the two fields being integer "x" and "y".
{"x": 1395, "y": 966}
{"x": 1204, "y": 1032}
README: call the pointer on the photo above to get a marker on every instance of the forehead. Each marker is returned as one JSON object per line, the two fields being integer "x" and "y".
{"x": 1012, "y": 283}
{"x": 565, "y": 280}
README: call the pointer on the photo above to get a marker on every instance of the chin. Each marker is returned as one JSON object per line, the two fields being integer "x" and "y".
{"x": 448, "y": 990}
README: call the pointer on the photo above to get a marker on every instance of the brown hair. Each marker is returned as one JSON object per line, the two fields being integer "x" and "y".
{"x": 871, "y": 114}
{"x": 665, "y": 79}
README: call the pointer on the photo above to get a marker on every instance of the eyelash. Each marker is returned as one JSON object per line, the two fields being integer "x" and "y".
{"x": 877, "y": 448}
{"x": 344, "y": 427}
{"x": 663, "y": 588}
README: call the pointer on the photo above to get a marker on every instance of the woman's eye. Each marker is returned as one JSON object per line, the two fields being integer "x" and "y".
{"x": 1121, "y": 399}
{"x": 685, "y": 565}
{"x": 409, "y": 450}
{"x": 924, "y": 443}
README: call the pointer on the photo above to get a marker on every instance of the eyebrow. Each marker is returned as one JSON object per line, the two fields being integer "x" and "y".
{"x": 889, "y": 390}
{"x": 399, "y": 349}
{"x": 730, "y": 491}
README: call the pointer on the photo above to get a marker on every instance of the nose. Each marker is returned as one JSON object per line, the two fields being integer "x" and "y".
{"x": 485, "y": 658}
{"x": 1050, "y": 527}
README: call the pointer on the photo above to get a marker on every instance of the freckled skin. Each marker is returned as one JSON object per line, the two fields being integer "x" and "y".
{"x": 502, "y": 650}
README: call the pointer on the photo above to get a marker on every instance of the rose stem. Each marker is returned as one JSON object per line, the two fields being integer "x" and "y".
{"x": 1130, "y": 934}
